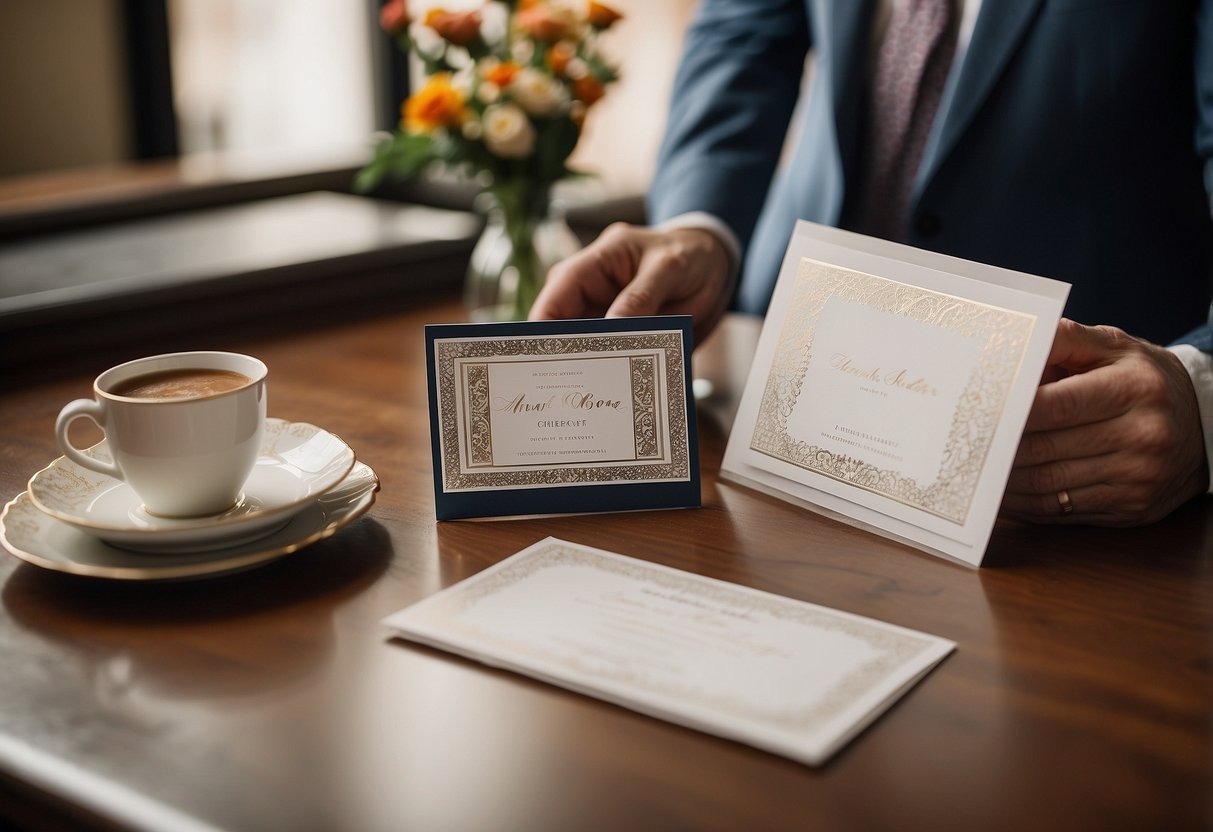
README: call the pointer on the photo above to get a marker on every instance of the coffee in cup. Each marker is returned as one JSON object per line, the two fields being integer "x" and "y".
{"x": 183, "y": 429}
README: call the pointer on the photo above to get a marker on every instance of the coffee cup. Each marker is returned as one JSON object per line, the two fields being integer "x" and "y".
{"x": 183, "y": 429}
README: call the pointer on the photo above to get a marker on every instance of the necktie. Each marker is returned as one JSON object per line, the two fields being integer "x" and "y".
{"x": 908, "y": 79}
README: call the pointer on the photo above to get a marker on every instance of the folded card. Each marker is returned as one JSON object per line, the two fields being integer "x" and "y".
{"x": 891, "y": 386}
{"x": 562, "y": 416}
{"x": 783, "y": 675}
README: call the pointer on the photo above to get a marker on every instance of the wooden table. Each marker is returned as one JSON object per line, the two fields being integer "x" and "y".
{"x": 1080, "y": 695}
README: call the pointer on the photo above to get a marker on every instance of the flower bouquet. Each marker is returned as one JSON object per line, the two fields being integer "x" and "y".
{"x": 506, "y": 91}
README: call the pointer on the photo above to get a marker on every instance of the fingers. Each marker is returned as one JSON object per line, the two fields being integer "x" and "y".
{"x": 584, "y": 285}
{"x": 1078, "y": 348}
{"x": 1130, "y": 380}
{"x": 1116, "y": 429}
{"x": 1088, "y": 440}
{"x": 685, "y": 272}
{"x": 1097, "y": 505}
{"x": 633, "y": 271}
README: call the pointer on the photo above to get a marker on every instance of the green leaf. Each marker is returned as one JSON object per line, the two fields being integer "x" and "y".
{"x": 403, "y": 155}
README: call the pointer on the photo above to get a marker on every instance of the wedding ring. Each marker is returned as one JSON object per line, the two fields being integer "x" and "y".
{"x": 1063, "y": 497}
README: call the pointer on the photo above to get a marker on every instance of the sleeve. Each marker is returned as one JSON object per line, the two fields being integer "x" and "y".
{"x": 1195, "y": 352}
{"x": 1204, "y": 91}
{"x": 733, "y": 97}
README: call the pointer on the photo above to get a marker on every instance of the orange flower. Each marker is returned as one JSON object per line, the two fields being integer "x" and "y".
{"x": 394, "y": 17}
{"x": 437, "y": 104}
{"x": 559, "y": 55}
{"x": 501, "y": 74}
{"x": 459, "y": 28}
{"x": 543, "y": 23}
{"x": 588, "y": 89}
{"x": 600, "y": 16}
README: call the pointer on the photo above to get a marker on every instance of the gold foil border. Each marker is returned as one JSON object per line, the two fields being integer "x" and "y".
{"x": 1004, "y": 335}
{"x": 652, "y": 430}
{"x": 894, "y": 648}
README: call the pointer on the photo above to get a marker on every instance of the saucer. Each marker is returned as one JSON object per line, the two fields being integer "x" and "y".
{"x": 37, "y": 538}
{"x": 297, "y": 463}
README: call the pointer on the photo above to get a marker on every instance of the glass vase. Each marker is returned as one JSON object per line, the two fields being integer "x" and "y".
{"x": 510, "y": 261}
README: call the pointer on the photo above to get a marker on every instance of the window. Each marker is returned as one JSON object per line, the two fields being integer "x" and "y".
{"x": 271, "y": 75}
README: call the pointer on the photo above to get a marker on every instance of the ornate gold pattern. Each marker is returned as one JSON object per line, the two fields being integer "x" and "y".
{"x": 893, "y": 648}
{"x": 663, "y": 348}
{"x": 480, "y": 430}
{"x": 1002, "y": 333}
{"x": 644, "y": 406}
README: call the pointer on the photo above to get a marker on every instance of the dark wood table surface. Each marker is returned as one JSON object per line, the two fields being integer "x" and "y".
{"x": 1080, "y": 695}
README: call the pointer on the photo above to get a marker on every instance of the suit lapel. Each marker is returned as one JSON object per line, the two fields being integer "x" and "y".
{"x": 847, "y": 26}
{"x": 1000, "y": 26}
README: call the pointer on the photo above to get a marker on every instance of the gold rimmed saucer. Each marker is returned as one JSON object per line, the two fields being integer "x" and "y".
{"x": 297, "y": 462}
{"x": 37, "y": 538}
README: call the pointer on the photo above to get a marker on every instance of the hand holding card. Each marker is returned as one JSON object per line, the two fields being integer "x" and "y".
{"x": 891, "y": 387}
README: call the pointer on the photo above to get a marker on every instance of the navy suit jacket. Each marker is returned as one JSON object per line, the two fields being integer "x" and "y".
{"x": 1077, "y": 144}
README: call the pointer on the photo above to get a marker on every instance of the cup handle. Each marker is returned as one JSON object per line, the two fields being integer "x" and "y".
{"x": 72, "y": 411}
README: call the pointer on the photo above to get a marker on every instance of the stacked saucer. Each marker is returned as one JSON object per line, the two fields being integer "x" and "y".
{"x": 306, "y": 485}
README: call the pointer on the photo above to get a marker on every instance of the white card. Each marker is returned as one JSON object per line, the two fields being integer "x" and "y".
{"x": 786, "y": 676}
{"x": 891, "y": 386}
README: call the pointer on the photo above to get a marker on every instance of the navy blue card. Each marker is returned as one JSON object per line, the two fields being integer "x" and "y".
{"x": 550, "y": 417}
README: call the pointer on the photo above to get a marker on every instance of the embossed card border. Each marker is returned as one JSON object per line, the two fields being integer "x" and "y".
{"x": 661, "y": 473}
{"x": 660, "y": 410}
{"x": 1004, "y": 336}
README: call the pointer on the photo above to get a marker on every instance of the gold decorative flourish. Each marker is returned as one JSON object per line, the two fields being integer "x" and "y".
{"x": 1003, "y": 335}
{"x": 644, "y": 406}
{"x": 480, "y": 431}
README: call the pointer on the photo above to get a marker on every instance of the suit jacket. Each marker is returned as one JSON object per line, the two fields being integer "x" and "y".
{"x": 1077, "y": 144}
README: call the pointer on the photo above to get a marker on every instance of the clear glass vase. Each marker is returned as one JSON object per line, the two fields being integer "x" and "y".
{"x": 521, "y": 241}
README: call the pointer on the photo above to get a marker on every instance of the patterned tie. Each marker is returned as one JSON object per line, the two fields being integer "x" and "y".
{"x": 911, "y": 69}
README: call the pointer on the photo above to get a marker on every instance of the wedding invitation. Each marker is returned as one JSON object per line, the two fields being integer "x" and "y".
{"x": 786, "y": 676}
{"x": 562, "y": 416}
{"x": 891, "y": 386}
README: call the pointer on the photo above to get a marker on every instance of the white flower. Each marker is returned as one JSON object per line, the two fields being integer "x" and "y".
{"x": 523, "y": 51}
{"x": 508, "y": 132}
{"x": 539, "y": 93}
{"x": 488, "y": 92}
{"x": 576, "y": 69}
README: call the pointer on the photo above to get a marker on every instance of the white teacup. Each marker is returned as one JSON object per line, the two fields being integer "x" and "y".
{"x": 184, "y": 429}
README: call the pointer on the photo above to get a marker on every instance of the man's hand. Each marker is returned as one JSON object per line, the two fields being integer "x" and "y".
{"x": 630, "y": 270}
{"x": 1114, "y": 430}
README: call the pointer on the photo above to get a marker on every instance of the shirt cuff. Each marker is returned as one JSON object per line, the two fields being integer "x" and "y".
{"x": 716, "y": 227}
{"x": 1200, "y": 367}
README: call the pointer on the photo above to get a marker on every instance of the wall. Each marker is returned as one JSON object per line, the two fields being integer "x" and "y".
{"x": 62, "y": 85}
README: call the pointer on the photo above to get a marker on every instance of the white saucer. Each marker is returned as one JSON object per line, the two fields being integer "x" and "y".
{"x": 298, "y": 462}
{"x": 37, "y": 538}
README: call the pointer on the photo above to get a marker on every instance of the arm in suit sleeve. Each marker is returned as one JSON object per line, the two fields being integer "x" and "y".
{"x": 1204, "y": 91}
{"x": 733, "y": 97}
{"x": 1195, "y": 352}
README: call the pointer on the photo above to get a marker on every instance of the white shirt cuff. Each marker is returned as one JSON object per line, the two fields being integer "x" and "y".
{"x": 1200, "y": 367}
{"x": 713, "y": 225}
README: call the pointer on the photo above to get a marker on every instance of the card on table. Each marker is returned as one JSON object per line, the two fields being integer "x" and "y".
{"x": 562, "y": 416}
{"x": 891, "y": 386}
{"x": 786, "y": 676}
